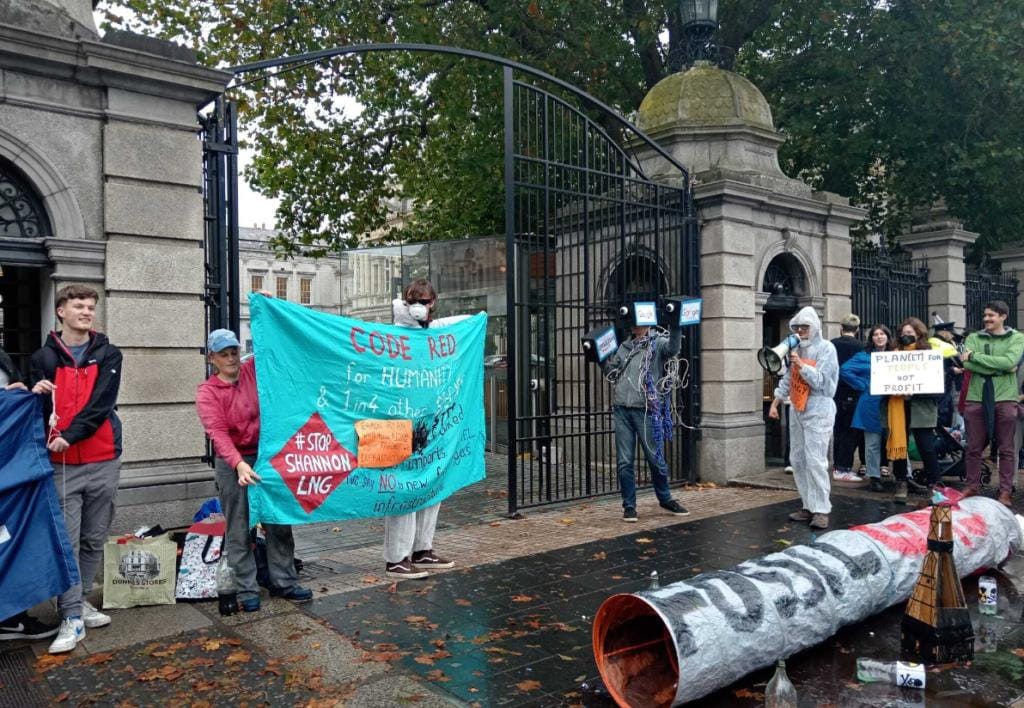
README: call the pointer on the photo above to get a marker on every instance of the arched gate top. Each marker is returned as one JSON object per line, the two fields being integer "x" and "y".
{"x": 312, "y": 57}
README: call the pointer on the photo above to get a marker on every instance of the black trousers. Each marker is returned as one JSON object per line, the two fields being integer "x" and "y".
{"x": 845, "y": 440}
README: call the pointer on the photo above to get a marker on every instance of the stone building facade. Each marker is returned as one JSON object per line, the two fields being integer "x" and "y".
{"x": 100, "y": 136}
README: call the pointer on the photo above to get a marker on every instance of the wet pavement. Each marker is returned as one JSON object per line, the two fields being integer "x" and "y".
{"x": 517, "y": 633}
{"x": 511, "y": 633}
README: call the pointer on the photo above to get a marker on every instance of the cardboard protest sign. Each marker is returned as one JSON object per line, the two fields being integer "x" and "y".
{"x": 384, "y": 443}
{"x": 905, "y": 373}
{"x": 360, "y": 419}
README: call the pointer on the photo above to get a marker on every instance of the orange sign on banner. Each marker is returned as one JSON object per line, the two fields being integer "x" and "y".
{"x": 799, "y": 390}
{"x": 383, "y": 443}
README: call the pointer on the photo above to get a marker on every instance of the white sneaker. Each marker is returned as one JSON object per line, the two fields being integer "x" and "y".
{"x": 72, "y": 631}
{"x": 92, "y": 617}
{"x": 845, "y": 476}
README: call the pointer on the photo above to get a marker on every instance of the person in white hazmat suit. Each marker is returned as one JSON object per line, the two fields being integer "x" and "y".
{"x": 810, "y": 383}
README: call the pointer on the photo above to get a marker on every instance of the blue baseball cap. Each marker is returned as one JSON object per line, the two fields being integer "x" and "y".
{"x": 221, "y": 339}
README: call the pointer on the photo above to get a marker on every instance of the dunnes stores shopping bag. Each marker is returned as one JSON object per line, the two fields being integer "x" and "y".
{"x": 138, "y": 571}
{"x": 197, "y": 574}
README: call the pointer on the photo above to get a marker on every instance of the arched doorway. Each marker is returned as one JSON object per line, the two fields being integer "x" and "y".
{"x": 785, "y": 283}
{"x": 23, "y": 224}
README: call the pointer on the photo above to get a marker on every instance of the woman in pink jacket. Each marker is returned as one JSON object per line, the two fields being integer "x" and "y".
{"x": 230, "y": 412}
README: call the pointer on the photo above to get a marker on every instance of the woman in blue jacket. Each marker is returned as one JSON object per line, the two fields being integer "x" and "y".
{"x": 856, "y": 372}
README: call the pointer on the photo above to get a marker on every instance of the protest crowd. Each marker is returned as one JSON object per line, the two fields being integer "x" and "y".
{"x": 829, "y": 395}
{"x": 844, "y": 392}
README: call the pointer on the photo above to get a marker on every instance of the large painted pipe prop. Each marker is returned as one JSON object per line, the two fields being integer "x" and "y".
{"x": 675, "y": 644}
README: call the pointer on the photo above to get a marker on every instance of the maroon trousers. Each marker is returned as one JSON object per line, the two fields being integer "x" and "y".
{"x": 977, "y": 438}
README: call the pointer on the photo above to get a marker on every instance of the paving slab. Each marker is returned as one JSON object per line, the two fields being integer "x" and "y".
{"x": 298, "y": 634}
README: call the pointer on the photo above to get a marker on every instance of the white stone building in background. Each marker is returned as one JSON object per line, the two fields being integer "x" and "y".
{"x": 312, "y": 282}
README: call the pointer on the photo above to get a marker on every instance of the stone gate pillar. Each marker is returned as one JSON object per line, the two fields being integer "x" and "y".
{"x": 941, "y": 241}
{"x": 719, "y": 125}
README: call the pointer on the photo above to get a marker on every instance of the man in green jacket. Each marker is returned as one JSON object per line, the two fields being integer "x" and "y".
{"x": 992, "y": 355}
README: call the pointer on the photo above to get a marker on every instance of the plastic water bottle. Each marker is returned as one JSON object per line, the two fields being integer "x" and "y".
{"x": 780, "y": 692}
{"x": 654, "y": 581}
{"x": 227, "y": 588}
{"x": 897, "y": 673}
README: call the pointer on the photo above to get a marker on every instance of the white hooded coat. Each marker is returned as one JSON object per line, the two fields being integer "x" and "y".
{"x": 811, "y": 429}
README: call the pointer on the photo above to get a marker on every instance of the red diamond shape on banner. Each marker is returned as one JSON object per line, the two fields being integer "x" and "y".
{"x": 313, "y": 463}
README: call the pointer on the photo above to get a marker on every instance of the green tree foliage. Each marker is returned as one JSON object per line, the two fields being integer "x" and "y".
{"x": 892, "y": 103}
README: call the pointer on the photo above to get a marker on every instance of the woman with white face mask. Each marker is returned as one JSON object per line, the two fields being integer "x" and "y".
{"x": 409, "y": 538}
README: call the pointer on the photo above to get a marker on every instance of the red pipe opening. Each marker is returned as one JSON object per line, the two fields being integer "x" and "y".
{"x": 635, "y": 653}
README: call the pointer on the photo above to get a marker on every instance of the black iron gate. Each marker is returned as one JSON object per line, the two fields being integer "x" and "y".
{"x": 888, "y": 286}
{"x": 219, "y": 135}
{"x": 984, "y": 284}
{"x": 587, "y": 231}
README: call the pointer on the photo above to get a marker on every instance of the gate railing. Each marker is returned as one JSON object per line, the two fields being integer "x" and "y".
{"x": 586, "y": 232}
{"x": 984, "y": 284}
{"x": 888, "y": 286}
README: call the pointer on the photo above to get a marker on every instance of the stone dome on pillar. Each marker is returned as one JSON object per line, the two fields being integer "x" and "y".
{"x": 716, "y": 123}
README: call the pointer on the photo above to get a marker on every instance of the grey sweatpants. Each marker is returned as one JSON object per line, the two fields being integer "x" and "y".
{"x": 87, "y": 493}
{"x": 409, "y": 532}
{"x": 234, "y": 501}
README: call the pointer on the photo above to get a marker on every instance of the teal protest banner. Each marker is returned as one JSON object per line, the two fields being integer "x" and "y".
{"x": 360, "y": 419}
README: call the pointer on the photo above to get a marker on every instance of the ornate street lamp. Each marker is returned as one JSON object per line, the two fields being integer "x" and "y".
{"x": 699, "y": 22}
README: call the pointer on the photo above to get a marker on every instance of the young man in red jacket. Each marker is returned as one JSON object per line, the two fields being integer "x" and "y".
{"x": 79, "y": 372}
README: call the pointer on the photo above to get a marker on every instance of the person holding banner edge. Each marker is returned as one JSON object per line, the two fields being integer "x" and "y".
{"x": 229, "y": 410}
{"x": 409, "y": 538}
{"x": 810, "y": 383}
{"x": 990, "y": 413}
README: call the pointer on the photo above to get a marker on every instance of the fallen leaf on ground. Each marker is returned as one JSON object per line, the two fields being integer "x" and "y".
{"x": 437, "y": 675}
{"x": 62, "y": 697}
{"x": 783, "y": 542}
{"x": 745, "y": 693}
{"x": 393, "y": 587}
{"x": 522, "y": 598}
{"x": 48, "y": 661}
{"x": 462, "y": 603}
{"x": 567, "y": 522}
{"x": 335, "y": 529}
{"x": 167, "y": 672}
{"x": 239, "y": 656}
{"x": 599, "y": 556}
{"x": 644, "y": 539}
{"x": 415, "y": 619}
{"x": 528, "y": 685}
{"x": 370, "y": 579}
{"x": 201, "y": 686}
{"x": 499, "y": 650}
{"x": 94, "y": 659}
{"x": 495, "y": 523}
{"x": 215, "y": 643}
{"x": 200, "y": 662}
{"x": 1018, "y": 652}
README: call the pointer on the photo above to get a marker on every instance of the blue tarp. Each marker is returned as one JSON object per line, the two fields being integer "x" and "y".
{"x": 36, "y": 560}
